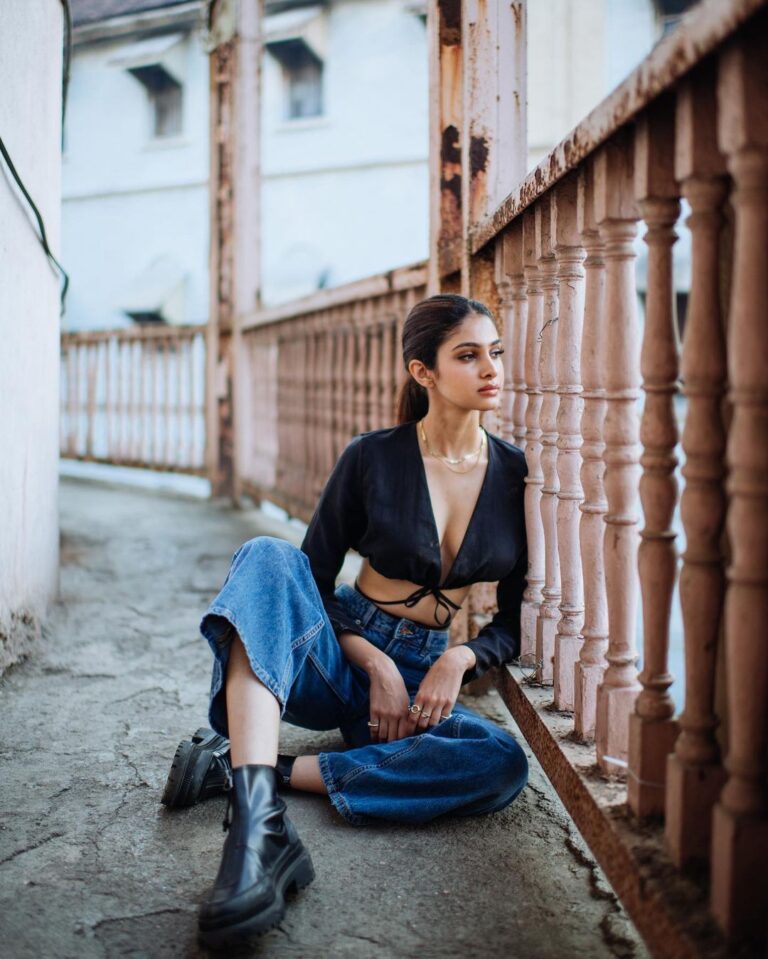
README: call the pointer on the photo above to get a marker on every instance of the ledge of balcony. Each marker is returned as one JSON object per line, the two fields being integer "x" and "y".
{"x": 670, "y": 910}
{"x": 401, "y": 278}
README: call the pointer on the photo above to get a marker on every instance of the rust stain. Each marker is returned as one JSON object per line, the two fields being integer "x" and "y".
{"x": 452, "y": 186}
{"x": 449, "y": 148}
{"x": 478, "y": 155}
{"x": 450, "y": 22}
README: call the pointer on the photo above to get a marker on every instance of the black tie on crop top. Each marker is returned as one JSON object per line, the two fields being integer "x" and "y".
{"x": 377, "y": 501}
{"x": 447, "y": 606}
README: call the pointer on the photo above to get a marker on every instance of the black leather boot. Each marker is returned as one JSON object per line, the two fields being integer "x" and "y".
{"x": 263, "y": 859}
{"x": 202, "y": 768}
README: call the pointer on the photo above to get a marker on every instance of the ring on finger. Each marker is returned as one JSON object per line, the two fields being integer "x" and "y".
{"x": 374, "y": 725}
{"x": 414, "y": 708}
{"x": 426, "y": 715}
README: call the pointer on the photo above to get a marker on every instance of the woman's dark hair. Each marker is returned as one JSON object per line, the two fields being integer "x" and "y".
{"x": 429, "y": 323}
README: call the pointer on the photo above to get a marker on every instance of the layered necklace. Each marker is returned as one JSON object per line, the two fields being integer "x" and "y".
{"x": 451, "y": 463}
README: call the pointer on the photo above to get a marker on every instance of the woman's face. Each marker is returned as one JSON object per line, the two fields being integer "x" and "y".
{"x": 469, "y": 373}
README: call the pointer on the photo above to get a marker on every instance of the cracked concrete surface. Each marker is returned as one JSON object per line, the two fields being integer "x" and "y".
{"x": 91, "y": 865}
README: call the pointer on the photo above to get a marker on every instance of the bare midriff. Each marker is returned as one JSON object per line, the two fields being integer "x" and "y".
{"x": 385, "y": 590}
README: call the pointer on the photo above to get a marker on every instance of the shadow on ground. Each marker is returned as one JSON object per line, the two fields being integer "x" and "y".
{"x": 92, "y": 866}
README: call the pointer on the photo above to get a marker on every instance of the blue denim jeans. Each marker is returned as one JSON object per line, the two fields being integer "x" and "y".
{"x": 465, "y": 765}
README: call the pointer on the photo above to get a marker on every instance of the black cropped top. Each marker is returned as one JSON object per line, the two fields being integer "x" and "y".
{"x": 377, "y": 502}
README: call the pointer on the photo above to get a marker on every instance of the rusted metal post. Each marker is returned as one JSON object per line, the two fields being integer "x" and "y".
{"x": 493, "y": 135}
{"x": 235, "y": 95}
{"x": 446, "y": 112}
{"x": 478, "y": 139}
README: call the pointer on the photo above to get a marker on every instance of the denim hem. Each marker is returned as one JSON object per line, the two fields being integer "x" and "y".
{"x": 337, "y": 797}
{"x": 257, "y": 668}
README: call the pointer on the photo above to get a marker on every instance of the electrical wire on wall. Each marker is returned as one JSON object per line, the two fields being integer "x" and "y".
{"x": 43, "y": 237}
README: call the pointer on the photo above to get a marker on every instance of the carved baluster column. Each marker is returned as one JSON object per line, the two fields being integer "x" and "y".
{"x": 512, "y": 290}
{"x": 340, "y": 391}
{"x": 360, "y": 382}
{"x": 375, "y": 371}
{"x": 740, "y": 824}
{"x": 504, "y": 291}
{"x": 616, "y": 216}
{"x": 570, "y": 277}
{"x": 549, "y": 613}
{"x": 588, "y": 671}
{"x": 694, "y": 771}
{"x": 652, "y": 730}
{"x": 535, "y": 478}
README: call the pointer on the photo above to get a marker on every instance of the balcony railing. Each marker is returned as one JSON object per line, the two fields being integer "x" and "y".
{"x": 135, "y": 397}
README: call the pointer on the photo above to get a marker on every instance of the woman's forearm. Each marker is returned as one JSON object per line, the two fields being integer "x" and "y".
{"x": 362, "y": 653}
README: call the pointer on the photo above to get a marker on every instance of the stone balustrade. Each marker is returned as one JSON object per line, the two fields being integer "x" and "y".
{"x": 135, "y": 397}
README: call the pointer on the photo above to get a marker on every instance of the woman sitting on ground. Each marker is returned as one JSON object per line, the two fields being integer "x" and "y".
{"x": 432, "y": 505}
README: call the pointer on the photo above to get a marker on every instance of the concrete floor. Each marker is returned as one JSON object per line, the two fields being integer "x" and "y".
{"x": 91, "y": 865}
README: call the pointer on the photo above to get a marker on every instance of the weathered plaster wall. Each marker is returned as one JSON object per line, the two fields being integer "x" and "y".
{"x": 30, "y": 121}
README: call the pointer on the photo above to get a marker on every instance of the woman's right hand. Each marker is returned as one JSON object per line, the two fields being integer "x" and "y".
{"x": 389, "y": 702}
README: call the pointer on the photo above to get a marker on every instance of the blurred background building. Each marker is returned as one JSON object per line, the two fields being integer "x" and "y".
{"x": 344, "y": 140}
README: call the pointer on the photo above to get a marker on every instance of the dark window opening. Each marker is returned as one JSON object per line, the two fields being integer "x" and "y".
{"x": 165, "y": 97}
{"x": 150, "y": 318}
{"x": 303, "y": 78}
{"x": 670, "y": 13}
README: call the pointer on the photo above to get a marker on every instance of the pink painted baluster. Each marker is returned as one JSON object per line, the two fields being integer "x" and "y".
{"x": 652, "y": 729}
{"x": 514, "y": 301}
{"x": 694, "y": 772}
{"x": 740, "y": 827}
{"x": 616, "y": 215}
{"x": 570, "y": 255}
{"x": 549, "y": 613}
{"x": 532, "y": 596}
{"x": 588, "y": 671}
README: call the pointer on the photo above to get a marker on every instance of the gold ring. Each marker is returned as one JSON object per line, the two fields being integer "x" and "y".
{"x": 426, "y": 715}
{"x": 414, "y": 708}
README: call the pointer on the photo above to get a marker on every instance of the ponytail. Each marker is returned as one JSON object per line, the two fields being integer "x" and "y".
{"x": 412, "y": 404}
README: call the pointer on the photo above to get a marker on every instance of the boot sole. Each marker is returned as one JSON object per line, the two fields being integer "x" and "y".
{"x": 296, "y": 876}
{"x": 182, "y": 785}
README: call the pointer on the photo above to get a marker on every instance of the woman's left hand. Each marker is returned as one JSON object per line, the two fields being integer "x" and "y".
{"x": 440, "y": 687}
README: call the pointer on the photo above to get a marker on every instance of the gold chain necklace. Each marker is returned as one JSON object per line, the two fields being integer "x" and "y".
{"x": 450, "y": 463}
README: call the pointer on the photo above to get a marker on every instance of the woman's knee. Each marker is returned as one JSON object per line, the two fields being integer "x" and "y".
{"x": 268, "y": 546}
{"x": 269, "y": 552}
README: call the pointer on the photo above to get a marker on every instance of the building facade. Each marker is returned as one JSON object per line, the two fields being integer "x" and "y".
{"x": 344, "y": 141}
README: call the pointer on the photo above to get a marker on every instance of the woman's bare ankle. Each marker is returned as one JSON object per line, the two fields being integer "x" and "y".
{"x": 305, "y": 775}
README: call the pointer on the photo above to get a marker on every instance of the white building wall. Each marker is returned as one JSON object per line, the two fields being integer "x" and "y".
{"x": 130, "y": 199}
{"x": 577, "y": 53}
{"x": 345, "y": 195}
{"x": 30, "y": 123}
